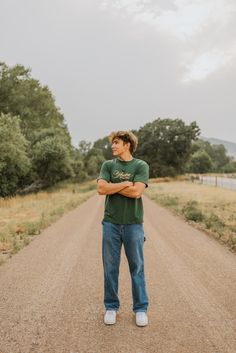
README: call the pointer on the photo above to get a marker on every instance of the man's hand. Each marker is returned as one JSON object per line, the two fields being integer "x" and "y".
{"x": 105, "y": 188}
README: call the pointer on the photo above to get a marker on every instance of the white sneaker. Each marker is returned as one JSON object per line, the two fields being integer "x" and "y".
{"x": 110, "y": 317}
{"x": 141, "y": 318}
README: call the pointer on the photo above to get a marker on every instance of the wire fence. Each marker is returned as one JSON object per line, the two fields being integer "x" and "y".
{"x": 217, "y": 181}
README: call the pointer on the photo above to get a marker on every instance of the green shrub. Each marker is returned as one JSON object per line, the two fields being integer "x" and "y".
{"x": 26, "y": 241}
{"x": 213, "y": 222}
{"x": 166, "y": 200}
{"x": 32, "y": 228}
{"x": 16, "y": 246}
{"x": 57, "y": 211}
{"x": 192, "y": 212}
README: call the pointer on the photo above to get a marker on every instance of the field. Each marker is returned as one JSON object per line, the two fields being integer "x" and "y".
{"x": 23, "y": 217}
{"x": 207, "y": 207}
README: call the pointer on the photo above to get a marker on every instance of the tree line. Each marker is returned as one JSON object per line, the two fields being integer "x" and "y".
{"x": 171, "y": 147}
{"x": 36, "y": 149}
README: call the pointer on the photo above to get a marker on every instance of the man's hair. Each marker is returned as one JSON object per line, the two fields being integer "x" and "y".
{"x": 125, "y": 136}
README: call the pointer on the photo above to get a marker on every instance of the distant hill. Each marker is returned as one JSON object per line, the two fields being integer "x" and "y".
{"x": 230, "y": 146}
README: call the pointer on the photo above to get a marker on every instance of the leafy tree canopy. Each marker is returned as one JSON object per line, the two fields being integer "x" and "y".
{"x": 39, "y": 135}
{"x": 218, "y": 161}
{"x": 14, "y": 162}
{"x": 23, "y": 96}
{"x": 166, "y": 145}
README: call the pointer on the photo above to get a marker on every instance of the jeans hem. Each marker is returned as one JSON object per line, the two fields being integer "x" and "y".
{"x": 139, "y": 310}
{"x": 116, "y": 309}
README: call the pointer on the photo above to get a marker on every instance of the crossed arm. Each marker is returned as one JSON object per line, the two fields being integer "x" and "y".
{"x": 125, "y": 188}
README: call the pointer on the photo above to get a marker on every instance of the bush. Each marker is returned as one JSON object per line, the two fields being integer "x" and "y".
{"x": 171, "y": 201}
{"x": 214, "y": 222}
{"x": 192, "y": 212}
{"x": 51, "y": 159}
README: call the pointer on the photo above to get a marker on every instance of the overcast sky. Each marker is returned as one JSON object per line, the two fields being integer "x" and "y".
{"x": 118, "y": 64}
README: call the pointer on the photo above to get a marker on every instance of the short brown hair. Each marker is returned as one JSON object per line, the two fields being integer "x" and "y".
{"x": 125, "y": 136}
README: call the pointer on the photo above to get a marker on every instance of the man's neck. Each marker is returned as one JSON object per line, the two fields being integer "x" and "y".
{"x": 126, "y": 157}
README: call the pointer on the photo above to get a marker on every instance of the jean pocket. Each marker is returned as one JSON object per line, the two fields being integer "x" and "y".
{"x": 104, "y": 222}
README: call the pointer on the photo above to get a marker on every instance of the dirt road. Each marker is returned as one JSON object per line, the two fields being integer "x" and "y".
{"x": 51, "y": 292}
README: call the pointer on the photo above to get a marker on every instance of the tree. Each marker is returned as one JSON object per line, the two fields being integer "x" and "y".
{"x": 165, "y": 144}
{"x": 230, "y": 167}
{"x": 40, "y": 122}
{"x": 84, "y": 147}
{"x": 219, "y": 157}
{"x": 51, "y": 157}
{"x": 14, "y": 162}
{"x": 105, "y": 146}
{"x": 94, "y": 163}
{"x": 23, "y": 96}
{"x": 80, "y": 174}
{"x": 216, "y": 153}
{"x": 93, "y": 157}
{"x": 200, "y": 162}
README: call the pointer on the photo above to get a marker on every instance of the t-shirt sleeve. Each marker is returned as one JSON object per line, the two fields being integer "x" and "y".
{"x": 104, "y": 172}
{"x": 142, "y": 174}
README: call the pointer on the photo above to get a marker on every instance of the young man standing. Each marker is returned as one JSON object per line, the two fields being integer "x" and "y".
{"x": 123, "y": 180}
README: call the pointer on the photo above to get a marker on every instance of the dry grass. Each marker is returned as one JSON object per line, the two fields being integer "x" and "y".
{"x": 212, "y": 209}
{"x": 23, "y": 217}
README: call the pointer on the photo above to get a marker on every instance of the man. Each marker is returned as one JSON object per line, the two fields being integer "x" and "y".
{"x": 123, "y": 180}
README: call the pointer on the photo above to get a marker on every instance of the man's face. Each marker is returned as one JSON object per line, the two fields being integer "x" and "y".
{"x": 118, "y": 147}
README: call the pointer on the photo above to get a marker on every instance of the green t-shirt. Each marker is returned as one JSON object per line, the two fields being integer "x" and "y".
{"x": 121, "y": 209}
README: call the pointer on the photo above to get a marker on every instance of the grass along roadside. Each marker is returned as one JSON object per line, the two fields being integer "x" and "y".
{"x": 23, "y": 217}
{"x": 209, "y": 208}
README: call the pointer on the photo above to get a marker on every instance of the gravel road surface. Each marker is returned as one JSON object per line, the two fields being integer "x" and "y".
{"x": 51, "y": 292}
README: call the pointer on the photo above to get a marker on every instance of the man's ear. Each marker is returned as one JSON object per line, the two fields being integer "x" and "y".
{"x": 128, "y": 144}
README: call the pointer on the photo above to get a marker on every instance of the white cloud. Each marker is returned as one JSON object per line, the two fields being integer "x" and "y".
{"x": 188, "y": 21}
{"x": 190, "y": 17}
{"x": 185, "y": 19}
{"x": 207, "y": 63}
{"x": 130, "y": 5}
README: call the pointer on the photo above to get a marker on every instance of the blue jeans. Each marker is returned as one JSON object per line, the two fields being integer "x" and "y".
{"x": 132, "y": 236}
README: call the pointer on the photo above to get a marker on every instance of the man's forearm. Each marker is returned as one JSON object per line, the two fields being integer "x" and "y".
{"x": 111, "y": 188}
{"x": 130, "y": 191}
